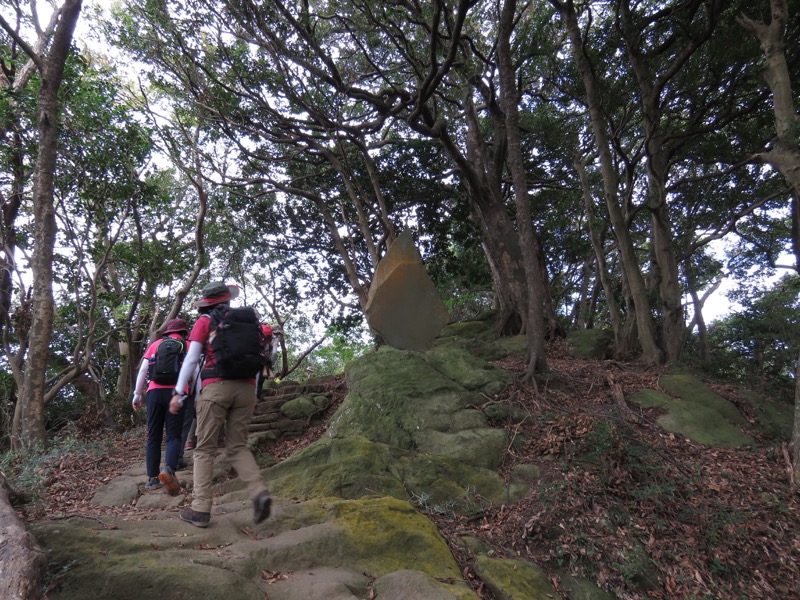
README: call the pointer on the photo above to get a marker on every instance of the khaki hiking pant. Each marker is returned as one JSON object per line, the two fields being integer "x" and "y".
{"x": 231, "y": 402}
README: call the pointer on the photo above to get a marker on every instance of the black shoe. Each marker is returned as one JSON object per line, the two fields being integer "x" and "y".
{"x": 182, "y": 464}
{"x": 153, "y": 484}
{"x": 196, "y": 518}
{"x": 261, "y": 506}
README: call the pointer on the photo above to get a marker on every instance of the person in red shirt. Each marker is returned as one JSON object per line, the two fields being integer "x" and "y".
{"x": 221, "y": 401}
{"x": 271, "y": 353}
{"x": 159, "y": 416}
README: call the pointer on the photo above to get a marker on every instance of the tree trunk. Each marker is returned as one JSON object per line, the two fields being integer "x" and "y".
{"x": 16, "y": 79}
{"x": 651, "y": 353}
{"x": 502, "y": 252}
{"x": 537, "y": 361}
{"x": 620, "y": 343}
{"x": 580, "y": 312}
{"x": 794, "y": 444}
{"x": 673, "y": 324}
{"x": 22, "y": 562}
{"x": 481, "y": 169}
{"x": 31, "y": 429}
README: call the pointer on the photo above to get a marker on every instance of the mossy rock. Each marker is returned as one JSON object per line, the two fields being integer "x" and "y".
{"x": 304, "y": 407}
{"x": 408, "y": 585}
{"x": 776, "y": 419}
{"x": 484, "y": 348}
{"x": 349, "y": 467}
{"x": 581, "y": 589}
{"x": 695, "y": 421}
{"x": 397, "y": 398}
{"x": 355, "y": 467}
{"x": 510, "y": 579}
{"x": 651, "y": 398}
{"x": 525, "y": 475}
{"x": 465, "y": 329}
{"x": 591, "y": 343}
{"x": 449, "y": 486}
{"x": 381, "y": 533}
{"x": 500, "y": 412}
{"x": 107, "y": 563}
{"x": 703, "y": 425}
{"x": 691, "y": 389}
{"x": 517, "y": 344}
{"x": 479, "y": 447}
{"x": 473, "y": 546}
{"x": 467, "y": 370}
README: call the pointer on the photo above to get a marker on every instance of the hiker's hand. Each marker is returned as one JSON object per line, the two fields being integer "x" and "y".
{"x": 176, "y": 404}
{"x": 136, "y": 403}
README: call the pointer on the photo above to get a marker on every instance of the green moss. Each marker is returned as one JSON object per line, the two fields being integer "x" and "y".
{"x": 385, "y": 535}
{"x": 449, "y": 486}
{"x": 513, "y": 579}
{"x": 517, "y": 344}
{"x": 304, "y": 406}
{"x": 466, "y": 329}
{"x": 691, "y": 389}
{"x": 347, "y": 468}
{"x": 775, "y": 418}
{"x": 590, "y": 343}
{"x": 704, "y": 419}
{"x": 703, "y": 425}
{"x": 89, "y": 561}
{"x": 468, "y": 370}
{"x": 650, "y": 398}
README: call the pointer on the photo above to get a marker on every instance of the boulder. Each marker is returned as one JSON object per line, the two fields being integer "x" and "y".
{"x": 403, "y": 306}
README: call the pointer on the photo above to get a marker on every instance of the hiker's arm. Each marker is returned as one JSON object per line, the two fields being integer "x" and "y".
{"x": 186, "y": 375}
{"x": 138, "y": 388}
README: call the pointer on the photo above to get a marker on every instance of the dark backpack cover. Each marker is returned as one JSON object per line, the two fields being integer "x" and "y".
{"x": 237, "y": 343}
{"x": 166, "y": 364}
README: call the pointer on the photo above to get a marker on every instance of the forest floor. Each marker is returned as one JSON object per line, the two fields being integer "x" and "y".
{"x": 639, "y": 511}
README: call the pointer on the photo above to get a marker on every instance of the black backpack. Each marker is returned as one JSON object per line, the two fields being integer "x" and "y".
{"x": 237, "y": 343}
{"x": 166, "y": 364}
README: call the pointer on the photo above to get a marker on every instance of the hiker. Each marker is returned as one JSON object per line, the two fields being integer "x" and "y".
{"x": 161, "y": 369}
{"x": 221, "y": 401}
{"x": 271, "y": 337}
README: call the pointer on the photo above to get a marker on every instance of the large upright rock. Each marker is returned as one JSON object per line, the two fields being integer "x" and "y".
{"x": 403, "y": 305}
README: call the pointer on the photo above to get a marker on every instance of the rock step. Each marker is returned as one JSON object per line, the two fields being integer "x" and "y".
{"x": 286, "y": 427}
{"x": 270, "y": 423}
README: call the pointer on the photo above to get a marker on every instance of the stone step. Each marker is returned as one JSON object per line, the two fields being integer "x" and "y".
{"x": 290, "y": 427}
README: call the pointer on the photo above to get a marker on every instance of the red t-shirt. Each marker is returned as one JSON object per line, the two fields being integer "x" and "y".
{"x": 200, "y": 333}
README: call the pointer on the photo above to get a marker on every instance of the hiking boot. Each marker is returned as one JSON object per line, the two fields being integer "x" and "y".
{"x": 152, "y": 484}
{"x": 171, "y": 483}
{"x": 182, "y": 464}
{"x": 198, "y": 519}
{"x": 261, "y": 506}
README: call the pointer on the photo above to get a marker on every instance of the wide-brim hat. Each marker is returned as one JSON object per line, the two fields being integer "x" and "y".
{"x": 217, "y": 292}
{"x": 176, "y": 325}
